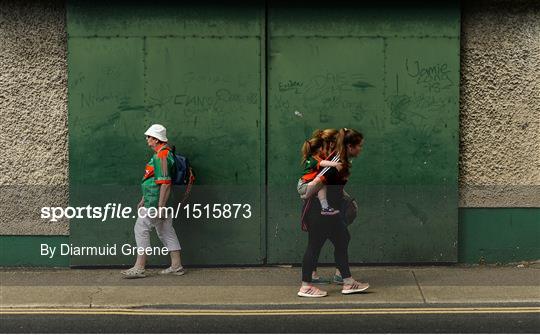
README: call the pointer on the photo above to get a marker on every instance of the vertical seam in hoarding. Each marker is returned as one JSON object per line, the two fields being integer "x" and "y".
{"x": 264, "y": 131}
{"x": 144, "y": 70}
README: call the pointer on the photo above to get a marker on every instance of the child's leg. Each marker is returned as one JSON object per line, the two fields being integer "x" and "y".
{"x": 321, "y": 195}
{"x": 325, "y": 208}
{"x": 301, "y": 187}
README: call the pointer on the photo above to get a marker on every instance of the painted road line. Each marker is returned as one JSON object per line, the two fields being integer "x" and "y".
{"x": 263, "y": 312}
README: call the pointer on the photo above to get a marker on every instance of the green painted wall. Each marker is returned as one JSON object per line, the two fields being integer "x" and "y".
{"x": 499, "y": 235}
{"x": 391, "y": 72}
{"x": 26, "y": 251}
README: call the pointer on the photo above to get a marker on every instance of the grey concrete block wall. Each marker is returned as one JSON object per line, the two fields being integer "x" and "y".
{"x": 500, "y": 104}
{"x": 500, "y": 110}
{"x": 33, "y": 105}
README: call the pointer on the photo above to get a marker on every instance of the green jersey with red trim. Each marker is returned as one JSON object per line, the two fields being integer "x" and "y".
{"x": 311, "y": 168}
{"x": 158, "y": 171}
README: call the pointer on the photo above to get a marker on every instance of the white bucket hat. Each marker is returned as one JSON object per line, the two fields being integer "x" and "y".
{"x": 157, "y": 131}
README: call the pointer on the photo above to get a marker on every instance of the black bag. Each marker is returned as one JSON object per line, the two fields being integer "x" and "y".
{"x": 349, "y": 210}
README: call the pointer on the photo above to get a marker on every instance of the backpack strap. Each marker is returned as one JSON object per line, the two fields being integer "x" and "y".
{"x": 190, "y": 183}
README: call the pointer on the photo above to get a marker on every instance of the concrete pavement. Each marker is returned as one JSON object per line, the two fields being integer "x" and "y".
{"x": 269, "y": 286}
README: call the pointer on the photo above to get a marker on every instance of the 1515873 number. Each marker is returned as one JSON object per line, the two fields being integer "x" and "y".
{"x": 218, "y": 211}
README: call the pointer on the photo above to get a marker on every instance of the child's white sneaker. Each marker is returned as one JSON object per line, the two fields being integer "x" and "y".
{"x": 329, "y": 211}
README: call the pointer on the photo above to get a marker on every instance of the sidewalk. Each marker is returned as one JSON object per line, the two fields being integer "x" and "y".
{"x": 268, "y": 286}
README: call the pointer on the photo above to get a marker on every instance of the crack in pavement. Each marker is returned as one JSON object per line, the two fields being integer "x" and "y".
{"x": 418, "y": 285}
{"x": 92, "y": 294}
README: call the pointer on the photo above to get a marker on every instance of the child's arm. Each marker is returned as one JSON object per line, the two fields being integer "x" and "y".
{"x": 325, "y": 163}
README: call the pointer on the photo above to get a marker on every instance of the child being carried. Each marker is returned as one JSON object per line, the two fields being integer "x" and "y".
{"x": 315, "y": 165}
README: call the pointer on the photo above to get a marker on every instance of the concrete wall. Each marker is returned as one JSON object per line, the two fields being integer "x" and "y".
{"x": 500, "y": 104}
{"x": 33, "y": 105}
{"x": 500, "y": 110}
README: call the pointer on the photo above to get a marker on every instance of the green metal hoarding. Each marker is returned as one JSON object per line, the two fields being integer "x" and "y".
{"x": 393, "y": 74}
{"x": 240, "y": 88}
{"x": 197, "y": 70}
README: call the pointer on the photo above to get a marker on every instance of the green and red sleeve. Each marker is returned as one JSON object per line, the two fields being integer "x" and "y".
{"x": 163, "y": 165}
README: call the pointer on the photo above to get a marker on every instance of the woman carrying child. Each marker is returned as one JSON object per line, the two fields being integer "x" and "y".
{"x": 329, "y": 137}
{"x": 322, "y": 227}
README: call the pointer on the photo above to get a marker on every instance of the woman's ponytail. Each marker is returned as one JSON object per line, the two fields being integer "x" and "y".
{"x": 345, "y": 137}
{"x": 341, "y": 147}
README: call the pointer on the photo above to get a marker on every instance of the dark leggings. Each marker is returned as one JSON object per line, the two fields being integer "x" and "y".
{"x": 318, "y": 232}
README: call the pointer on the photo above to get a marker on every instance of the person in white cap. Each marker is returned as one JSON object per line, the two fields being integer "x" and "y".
{"x": 156, "y": 188}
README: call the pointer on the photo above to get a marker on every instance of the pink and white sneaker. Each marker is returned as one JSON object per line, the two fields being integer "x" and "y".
{"x": 311, "y": 292}
{"x": 355, "y": 287}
